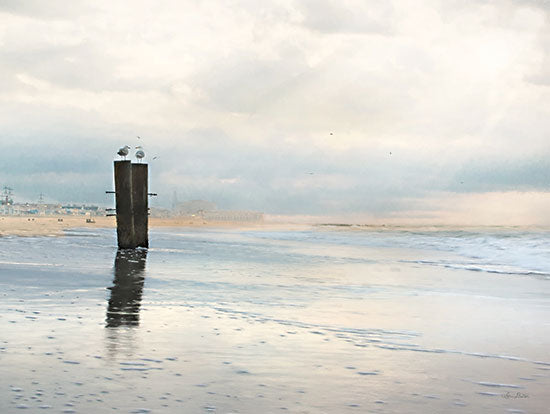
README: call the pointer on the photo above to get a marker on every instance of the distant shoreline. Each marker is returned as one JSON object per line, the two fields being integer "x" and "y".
{"x": 32, "y": 226}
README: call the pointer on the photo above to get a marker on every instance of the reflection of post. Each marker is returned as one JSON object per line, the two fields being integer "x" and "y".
{"x": 125, "y": 301}
{"x": 140, "y": 203}
{"x": 124, "y": 213}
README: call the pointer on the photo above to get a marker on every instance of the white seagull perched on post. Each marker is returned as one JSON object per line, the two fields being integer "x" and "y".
{"x": 123, "y": 152}
{"x": 140, "y": 154}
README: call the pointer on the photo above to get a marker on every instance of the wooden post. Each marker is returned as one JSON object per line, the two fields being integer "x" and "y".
{"x": 140, "y": 204}
{"x": 124, "y": 205}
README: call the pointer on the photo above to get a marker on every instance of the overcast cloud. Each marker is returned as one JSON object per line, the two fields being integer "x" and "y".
{"x": 316, "y": 107}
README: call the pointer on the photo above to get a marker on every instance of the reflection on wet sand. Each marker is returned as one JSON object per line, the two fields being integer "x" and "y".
{"x": 125, "y": 300}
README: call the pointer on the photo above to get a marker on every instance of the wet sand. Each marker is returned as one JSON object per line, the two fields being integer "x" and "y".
{"x": 226, "y": 321}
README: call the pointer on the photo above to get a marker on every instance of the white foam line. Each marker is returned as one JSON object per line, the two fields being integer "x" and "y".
{"x": 30, "y": 264}
{"x": 449, "y": 351}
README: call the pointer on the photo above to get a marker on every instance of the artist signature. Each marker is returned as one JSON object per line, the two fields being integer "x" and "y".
{"x": 516, "y": 395}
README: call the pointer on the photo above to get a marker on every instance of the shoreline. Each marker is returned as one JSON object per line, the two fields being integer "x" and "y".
{"x": 54, "y": 226}
{"x": 28, "y": 226}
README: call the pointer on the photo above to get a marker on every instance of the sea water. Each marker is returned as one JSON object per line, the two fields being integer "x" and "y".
{"x": 326, "y": 319}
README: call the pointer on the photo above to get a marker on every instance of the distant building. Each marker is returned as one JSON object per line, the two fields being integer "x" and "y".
{"x": 6, "y": 199}
{"x": 158, "y": 212}
{"x": 194, "y": 207}
{"x": 207, "y": 211}
{"x": 44, "y": 209}
{"x": 238, "y": 216}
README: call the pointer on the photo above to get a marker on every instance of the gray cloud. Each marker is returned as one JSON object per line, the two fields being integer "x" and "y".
{"x": 244, "y": 83}
{"x": 285, "y": 108}
{"x": 503, "y": 175}
{"x": 50, "y": 10}
{"x": 331, "y": 16}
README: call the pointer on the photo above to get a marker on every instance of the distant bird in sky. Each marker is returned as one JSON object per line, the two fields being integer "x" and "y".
{"x": 331, "y": 133}
{"x": 123, "y": 152}
{"x": 140, "y": 154}
{"x": 138, "y": 137}
{"x": 390, "y": 152}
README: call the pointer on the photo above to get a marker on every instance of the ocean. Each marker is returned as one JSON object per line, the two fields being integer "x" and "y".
{"x": 321, "y": 319}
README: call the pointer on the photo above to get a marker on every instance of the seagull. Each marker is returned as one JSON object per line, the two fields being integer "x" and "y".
{"x": 123, "y": 152}
{"x": 140, "y": 154}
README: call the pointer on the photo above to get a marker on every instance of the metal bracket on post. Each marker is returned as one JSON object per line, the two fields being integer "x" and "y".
{"x": 110, "y": 214}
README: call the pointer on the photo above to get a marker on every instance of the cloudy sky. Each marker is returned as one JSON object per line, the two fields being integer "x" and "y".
{"x": 428, "y": 109}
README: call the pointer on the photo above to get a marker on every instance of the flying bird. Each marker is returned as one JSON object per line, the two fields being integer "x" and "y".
{"x": 140, "y": 154}
{"x": 123, "y": 152}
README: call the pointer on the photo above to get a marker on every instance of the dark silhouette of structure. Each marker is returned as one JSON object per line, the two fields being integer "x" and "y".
{"x": 140, "y": 201}
{"x": 132, "y": 210}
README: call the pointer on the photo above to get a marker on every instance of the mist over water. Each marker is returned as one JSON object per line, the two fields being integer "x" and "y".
{"x": 325, "y": 319}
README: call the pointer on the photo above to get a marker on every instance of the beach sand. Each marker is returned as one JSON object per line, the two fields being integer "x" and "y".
{"x": 47, "y": 226}
{"x": 56, "y": 225}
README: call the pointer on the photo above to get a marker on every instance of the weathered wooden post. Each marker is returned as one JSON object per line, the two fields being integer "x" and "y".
{"x": 140, "y": 204}
{"x": 132, "y": 209}
{"x": 124, "y": 205}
